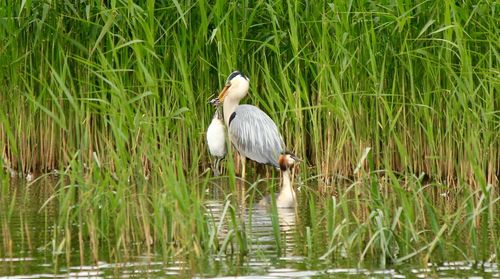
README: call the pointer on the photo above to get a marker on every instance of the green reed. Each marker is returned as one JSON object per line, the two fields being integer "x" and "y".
{"x": 114, "y": 98}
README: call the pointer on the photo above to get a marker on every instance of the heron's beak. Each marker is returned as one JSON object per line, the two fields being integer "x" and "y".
{"x": 223, "y": 93}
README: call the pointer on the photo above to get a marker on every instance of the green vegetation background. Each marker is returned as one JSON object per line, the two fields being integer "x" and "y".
{"x": 109, "y": 91}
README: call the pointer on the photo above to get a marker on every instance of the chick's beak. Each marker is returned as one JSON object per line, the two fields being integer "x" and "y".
{"x": 223, "y": 93}
{"x": 297, "y": 159}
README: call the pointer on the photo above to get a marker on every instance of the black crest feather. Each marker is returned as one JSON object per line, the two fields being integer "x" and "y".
{"x": 233, "y": 75}
{"x": 233, "y": 115}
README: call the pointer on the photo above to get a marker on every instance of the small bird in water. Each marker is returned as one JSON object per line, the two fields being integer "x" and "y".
{"x": 286, "y": 197}
{"x": 216, "y": 139}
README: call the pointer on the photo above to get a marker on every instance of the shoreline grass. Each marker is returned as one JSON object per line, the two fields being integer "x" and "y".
{"x": 416, "y": 86}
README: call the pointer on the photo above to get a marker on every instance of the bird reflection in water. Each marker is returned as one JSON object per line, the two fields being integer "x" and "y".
{"x": 258, "y": 219}
{"x": 258, "y": 226}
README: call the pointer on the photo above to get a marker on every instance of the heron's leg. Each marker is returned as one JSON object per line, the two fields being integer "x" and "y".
{"x": 237, "y": 158}
{"x": 243, "y": 161}
{"x": 216, "y": 168}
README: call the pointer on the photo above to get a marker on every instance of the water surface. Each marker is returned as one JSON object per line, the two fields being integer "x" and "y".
{"x": 276, "y": 247}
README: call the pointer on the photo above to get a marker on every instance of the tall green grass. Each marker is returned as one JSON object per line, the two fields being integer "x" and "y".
{"x": 113, "y": 96}
{"x": 416, "y": 82}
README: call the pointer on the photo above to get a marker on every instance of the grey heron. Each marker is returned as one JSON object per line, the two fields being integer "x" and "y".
{"x": 251, "y": 131}
{"x": 216, "y": 138}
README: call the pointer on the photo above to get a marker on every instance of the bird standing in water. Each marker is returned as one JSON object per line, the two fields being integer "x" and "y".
{"x": 286, "y": 197}
{"x": 216, "y": 139}
{"x": 251, "y": 131}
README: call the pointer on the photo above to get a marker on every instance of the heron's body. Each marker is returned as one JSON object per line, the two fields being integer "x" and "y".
{"x": 216, "y": 139}
{"x": 254, "y": 134}
{"x": 251, "y": 131}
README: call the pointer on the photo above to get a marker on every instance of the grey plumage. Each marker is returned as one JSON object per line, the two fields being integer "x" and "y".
{"x": 255, "y": 135}
{"x": 251, "y": 131}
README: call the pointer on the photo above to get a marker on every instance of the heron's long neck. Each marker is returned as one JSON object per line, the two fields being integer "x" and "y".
{"x": 229, "y": 106}
{"x": 287, "y": 194}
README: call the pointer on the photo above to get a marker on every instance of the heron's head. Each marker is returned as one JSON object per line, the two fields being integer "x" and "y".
{"x": 236, "y": 87}
{"x": 287, "y": 160}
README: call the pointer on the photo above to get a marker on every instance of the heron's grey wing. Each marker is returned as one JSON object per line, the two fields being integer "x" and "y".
{"x": 255, "y": 135}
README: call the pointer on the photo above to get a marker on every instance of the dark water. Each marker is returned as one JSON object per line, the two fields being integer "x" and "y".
{"x": 27, "y": 249}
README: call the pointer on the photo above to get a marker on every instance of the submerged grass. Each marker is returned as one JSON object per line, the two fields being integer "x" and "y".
{"x": 113, "y": 98}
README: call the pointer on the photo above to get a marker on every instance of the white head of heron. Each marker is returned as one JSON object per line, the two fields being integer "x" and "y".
{"x": 236, "y": 87}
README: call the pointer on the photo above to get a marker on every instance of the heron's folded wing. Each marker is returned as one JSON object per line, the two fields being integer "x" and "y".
{"x": 255, "y": 135}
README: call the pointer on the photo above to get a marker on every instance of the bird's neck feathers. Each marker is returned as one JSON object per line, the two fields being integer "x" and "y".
{"x": 230, "y": 104}
{"x": 286, "y": 197}
{"x": 287, "y": 183}
{"x": 237, "y": 91}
